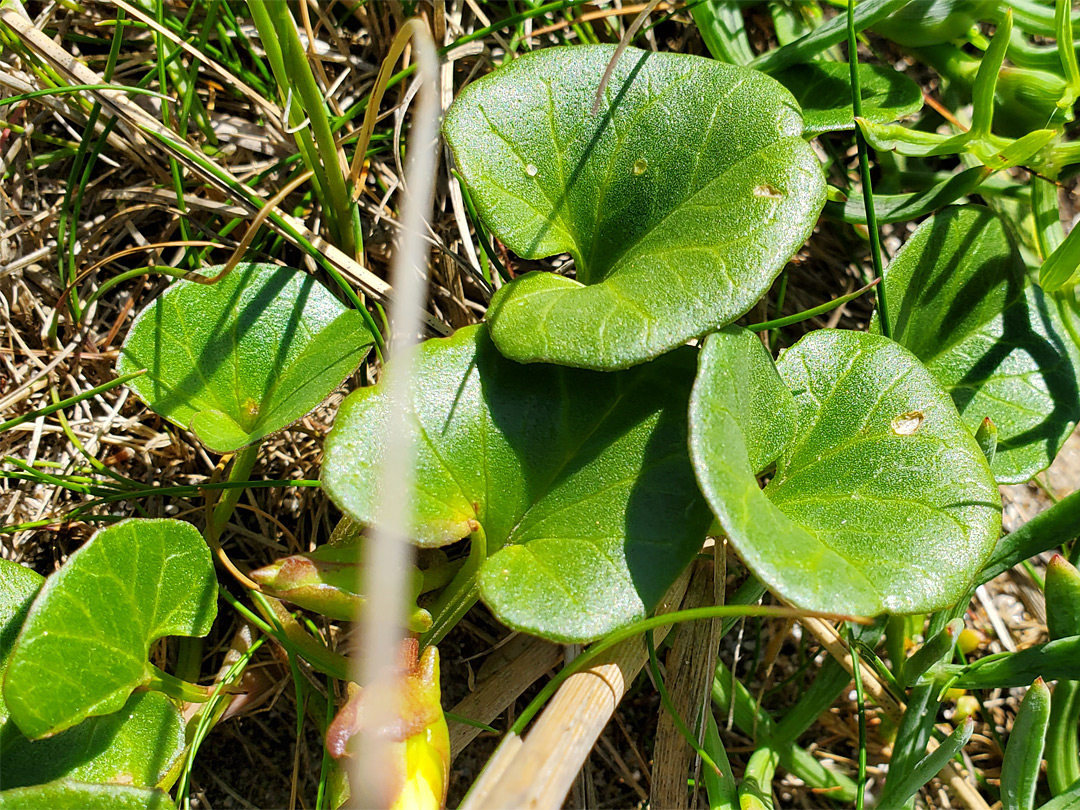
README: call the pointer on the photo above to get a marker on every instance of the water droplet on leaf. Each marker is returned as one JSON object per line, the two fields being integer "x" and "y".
{"x": 906, "y": 424}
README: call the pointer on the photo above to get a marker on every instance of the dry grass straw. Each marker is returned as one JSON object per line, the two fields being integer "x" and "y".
{"x": 385, "y": 576}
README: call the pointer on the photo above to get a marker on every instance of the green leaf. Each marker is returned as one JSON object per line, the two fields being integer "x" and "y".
{"x": 84, "y": 646}
{"x": 904, "y": 207}
{"x": 134, "y": 746}
{"x": 240, "y": 359}
{"x": 1022, "y": 763}
{"x": 1063, "y": 265}
{"x": 578, "y": 482}
{"x": 902, "y": 785}
{"x": 680, "y": 200}
{"x": 18, "y": 587}
{"x": 930, "y": 22}
{"x": 881, "y": 502}
{"x": 720, "y": 23}
{"x": 1062, "y": 588}
{"x": 66, "y": 794}
{"x": 960, "y": 300}
{"x": 826, "y": 36}
{"x": 823, "y": 90}
{"x": 1069, "y": 800}
{"x": 1054, "y": 660}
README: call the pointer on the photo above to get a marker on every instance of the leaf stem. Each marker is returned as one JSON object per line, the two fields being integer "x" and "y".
{"x": 161, "y": 681}
{"x": 1048, "y": 529}
{"x": 460, "y": 595}
{"x": 669, "y": 706}
{"x": 242, "y": 464}
{"x": 806, "y": 314}
{"x": 587, "y": 658}
{"x": 321, "y": 657}
{"x": 856, "y": 671}
{"x": 67, "y": 403}
{"x": 864, "y": 171}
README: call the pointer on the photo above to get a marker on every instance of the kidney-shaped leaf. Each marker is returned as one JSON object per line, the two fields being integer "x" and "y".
{"x": 881, "y": 501}
{"x": 84, "y": 646}
{"x": 67, "y": 794}
{"x": 18, "y": 587}
{"x": 240, "y": 359}
{"x": 823, "y": 90}
{"x": 134, "y": 746}
{"x": 680, "y": 199}
{"x": 578, "y": 482}
{"x": 960, "y": 300}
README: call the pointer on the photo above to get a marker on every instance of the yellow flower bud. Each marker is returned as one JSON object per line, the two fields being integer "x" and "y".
{"x": 968, "y": 641}
{"x": 420, "y": 738}
{"x": 966, "y": 707}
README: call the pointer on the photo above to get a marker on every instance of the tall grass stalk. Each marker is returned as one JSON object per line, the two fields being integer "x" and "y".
{"x": 307, "y": 116}
{"x": 384, "y": 574}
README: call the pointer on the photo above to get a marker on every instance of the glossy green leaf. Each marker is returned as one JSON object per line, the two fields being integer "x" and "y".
{"x": 67, "y": 794}
{"x": 84, "y": 646}
{"x": 240, "y": 359}
{"x": 18, "y": 587}
{"x": 823, "y": 90}
{"x": 134, "y": 746}
{"x": 578, "y": 482}
{"x": 881, "y": 502}
{"x": 680, "y": 200}
{"x": 960, "y": 300}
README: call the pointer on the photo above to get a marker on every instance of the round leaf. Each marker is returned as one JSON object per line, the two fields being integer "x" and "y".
{"x": 18, "y": 587}
{"x": 960, "y": 300}
{"x": 240, "y": 359}
{"x": 823, "y": 90}
{"x": 882, "y": 501}
{"x": 578, "y": 482}
{"x": 84, "y": 646}
{"x": 680, "y": 200}
{"x": 66, "y": 794}
{"x": 134, "y": 746}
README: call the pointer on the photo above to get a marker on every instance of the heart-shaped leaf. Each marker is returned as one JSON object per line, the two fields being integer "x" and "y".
{"x": 134, "y": 746}
{"x": 67, "y": 794}
{"x": 823, "y": 90}
{"x": 84, "y": 646}
{"x": 882, "y": 500}
{"x": 960, "y": 300}
{"x": 18, "y": 587}
{"x": 240, "y": 359}
{"x": 578, "y": 482}
{"x": 680, "y": 200}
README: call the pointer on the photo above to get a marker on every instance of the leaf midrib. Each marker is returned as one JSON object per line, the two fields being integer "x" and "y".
{"x": 546, "y": 488}
{"x": 629, "y": 253}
